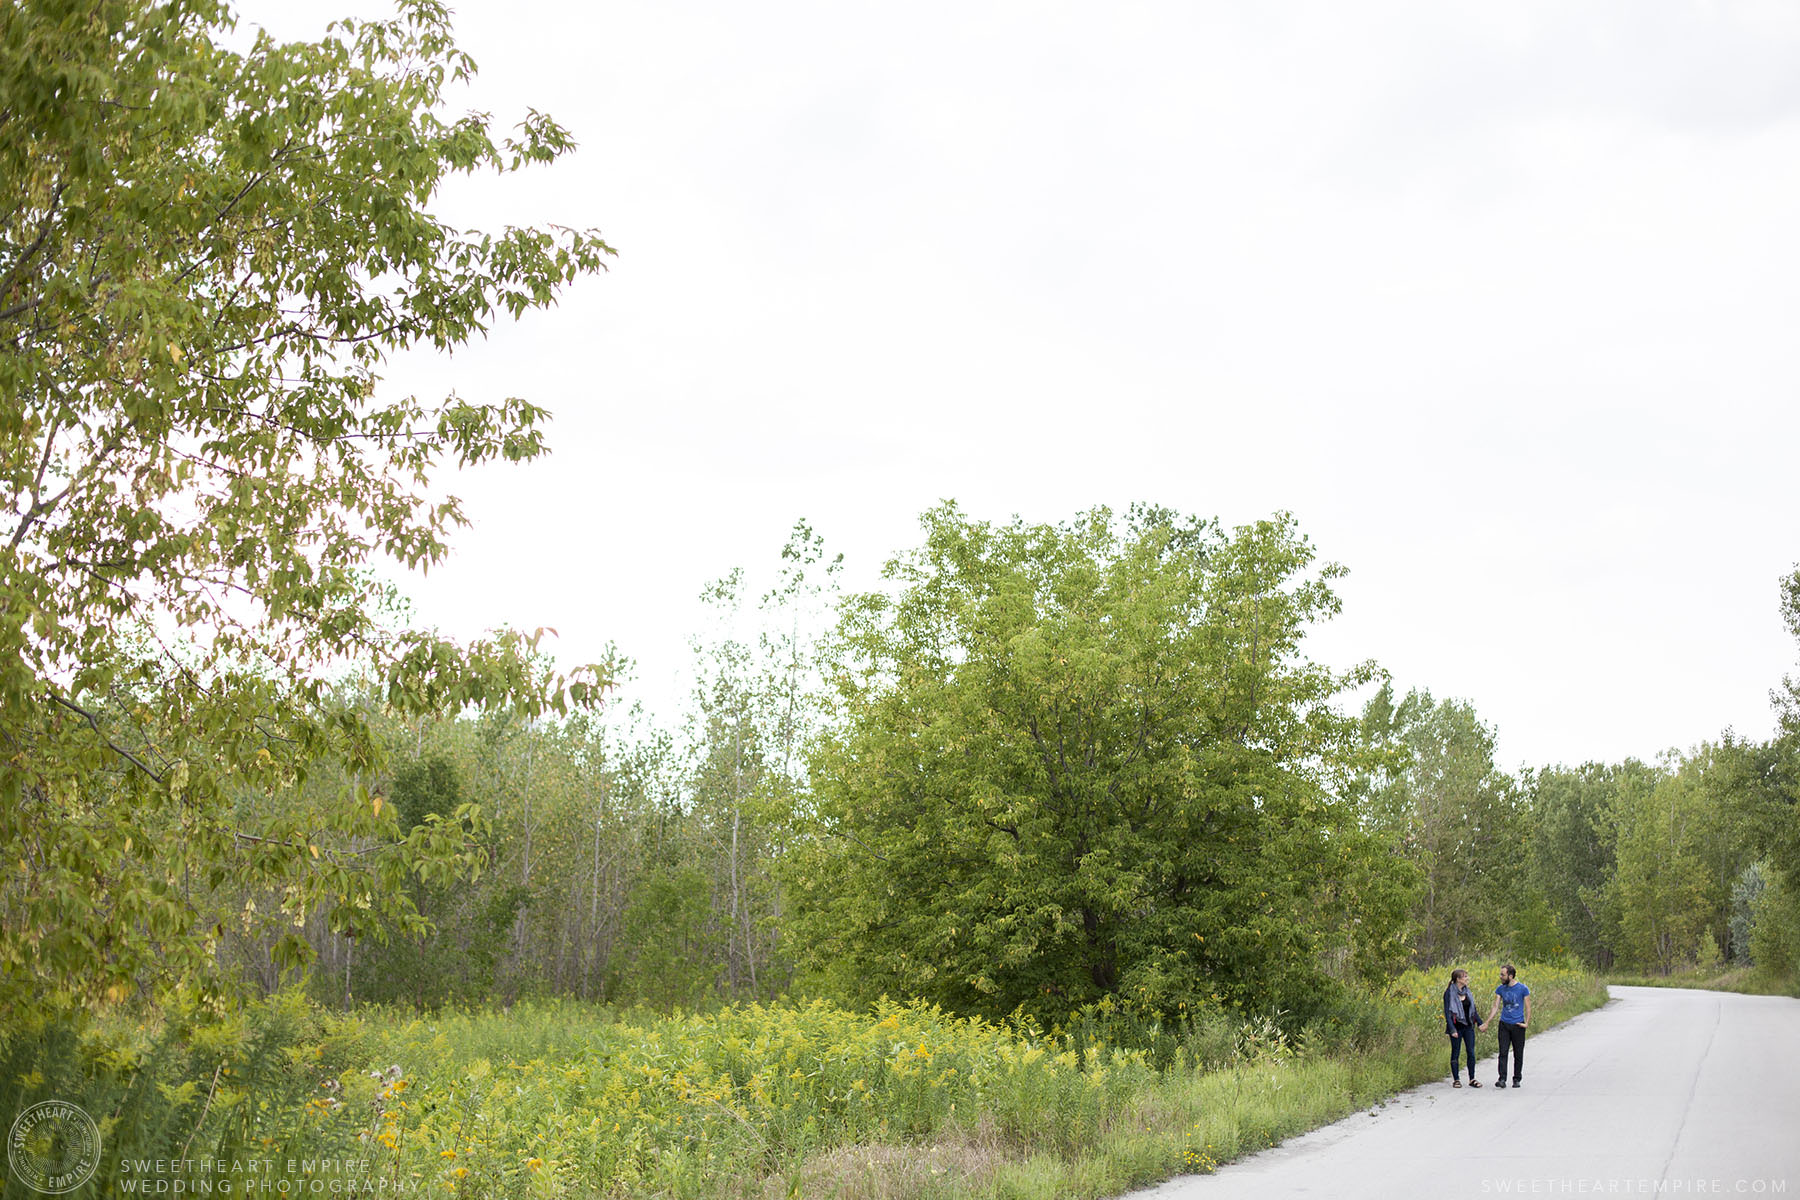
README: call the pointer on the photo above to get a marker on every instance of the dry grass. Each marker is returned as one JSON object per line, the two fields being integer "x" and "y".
{"x": 958, "y": 1163}
{"x": 1752, "y": 981}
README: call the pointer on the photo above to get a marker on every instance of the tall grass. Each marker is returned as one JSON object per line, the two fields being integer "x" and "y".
{"x": 560, "y": 1099}
{"x": 1751, "y": 981}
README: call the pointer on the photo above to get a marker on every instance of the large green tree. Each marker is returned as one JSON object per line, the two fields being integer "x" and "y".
{"x": 1660, "y": 888}
{"x": 1573, "y": 829}
{"x": 1459, "y": 817}
{"x": 1764, "y": 781}
{"x": 206, "y": 257}
{"x": 1091, "y": 759}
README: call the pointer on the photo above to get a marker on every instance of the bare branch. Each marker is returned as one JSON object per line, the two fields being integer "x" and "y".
{"x": 29, "y": 253}
{"x": 94, "y": 724}
{"x": 23, "y": 306}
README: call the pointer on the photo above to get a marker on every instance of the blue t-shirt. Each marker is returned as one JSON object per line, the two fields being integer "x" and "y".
{"x": 1512, "y": 1002}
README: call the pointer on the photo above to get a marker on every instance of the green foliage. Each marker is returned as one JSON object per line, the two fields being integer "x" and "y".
{"x": 272, "y": 1079}
{"x": 458, "y": 953}
{"x": 1761, "y": 781}
{"x": 1744, "y": 895}
{"x": 427, "y": 787}
{"x": 667, "y": 952}
{"x": 1766, "y": 783}
{"x": 206, "y": 257}
{"x": 1535, "y": 933}
{"x": 1787, "y": 698}
{"x": 1459, "y": 817}
{"x": 1572, "y": 844}
{"x": 619, "y": 863}
{"x": 1775, "y": 928}
{"x": 1088, "y": 760}
{"x": 1709, "y": 957}
{"x": 1660, "y": 888}
{"x": 756, "y": 706}
{"x": 459, "y": 957}
{"x": 1640, "y": 864}
{"x": 566, "y": 1100}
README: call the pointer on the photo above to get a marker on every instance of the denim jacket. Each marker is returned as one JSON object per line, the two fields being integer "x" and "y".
{"x": 1453, "y": 1008}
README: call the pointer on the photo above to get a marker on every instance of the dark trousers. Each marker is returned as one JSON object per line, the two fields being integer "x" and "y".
{"x": 1512, "y": 1037}
{"x": 1463, "y": 1040}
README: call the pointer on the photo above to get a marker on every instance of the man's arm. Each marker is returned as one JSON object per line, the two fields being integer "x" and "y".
{"x": 1527, "y": 1019}
{"x": 1494, "y": 1012}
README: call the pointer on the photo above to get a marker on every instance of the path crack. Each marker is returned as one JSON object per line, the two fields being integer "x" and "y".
{"x": 1693, "y": 1087}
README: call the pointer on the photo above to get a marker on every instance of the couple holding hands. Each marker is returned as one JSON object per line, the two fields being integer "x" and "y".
{"x": 1462, "y": 1019}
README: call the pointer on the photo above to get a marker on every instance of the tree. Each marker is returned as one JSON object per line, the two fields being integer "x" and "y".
{"x": 1572, "y": 848}
{"x": 1660, "y": 887}
{"x": 1458, "y": 815}
{"x": 1744, "y": 896}
{"x": 206, "y": 257}
{"x": 755, "y": 706}
{"x": 1787, "y": 697}
{"x": 1775, "y": 928}
{"x": 1764, "y": 782}
{"x": 1085, "y": 760}
{"x": 458, "y": 956}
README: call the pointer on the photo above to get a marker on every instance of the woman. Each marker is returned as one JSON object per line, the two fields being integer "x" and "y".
{"x": 1460, "y": 1020}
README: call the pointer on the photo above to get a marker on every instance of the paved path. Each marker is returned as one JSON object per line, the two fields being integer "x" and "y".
{"x": 1663, "y": 1092}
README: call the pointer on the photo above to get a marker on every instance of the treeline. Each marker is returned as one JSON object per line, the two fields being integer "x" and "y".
{"x": 1049, "y": 765}
{"x": 1652, "y": 867}
{"x": 619, "y": 860}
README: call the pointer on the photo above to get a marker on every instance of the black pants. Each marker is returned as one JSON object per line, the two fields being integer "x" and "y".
{"x": 1465, "y": 1041}
{"x": 1513, "y": 1037}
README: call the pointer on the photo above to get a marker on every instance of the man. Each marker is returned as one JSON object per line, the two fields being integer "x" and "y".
{"x": 1514, "y": 1014}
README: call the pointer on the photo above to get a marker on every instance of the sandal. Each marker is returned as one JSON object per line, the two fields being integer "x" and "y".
{"x": 1456, "y": 1083}
{"x": 1474, "y": 1083}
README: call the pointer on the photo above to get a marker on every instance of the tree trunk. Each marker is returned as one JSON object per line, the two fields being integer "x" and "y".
{"x": 592, "y": 941}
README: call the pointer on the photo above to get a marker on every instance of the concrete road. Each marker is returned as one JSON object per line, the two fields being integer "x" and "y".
{"x": 1663, "y": 1092}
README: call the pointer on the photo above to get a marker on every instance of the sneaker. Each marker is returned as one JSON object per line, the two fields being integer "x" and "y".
{"x": 1516, "y": 1083}
{"x": 1499, "y": 1083}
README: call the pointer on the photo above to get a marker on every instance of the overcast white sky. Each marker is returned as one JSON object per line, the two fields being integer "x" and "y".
{"x": 1499, "y": 299}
